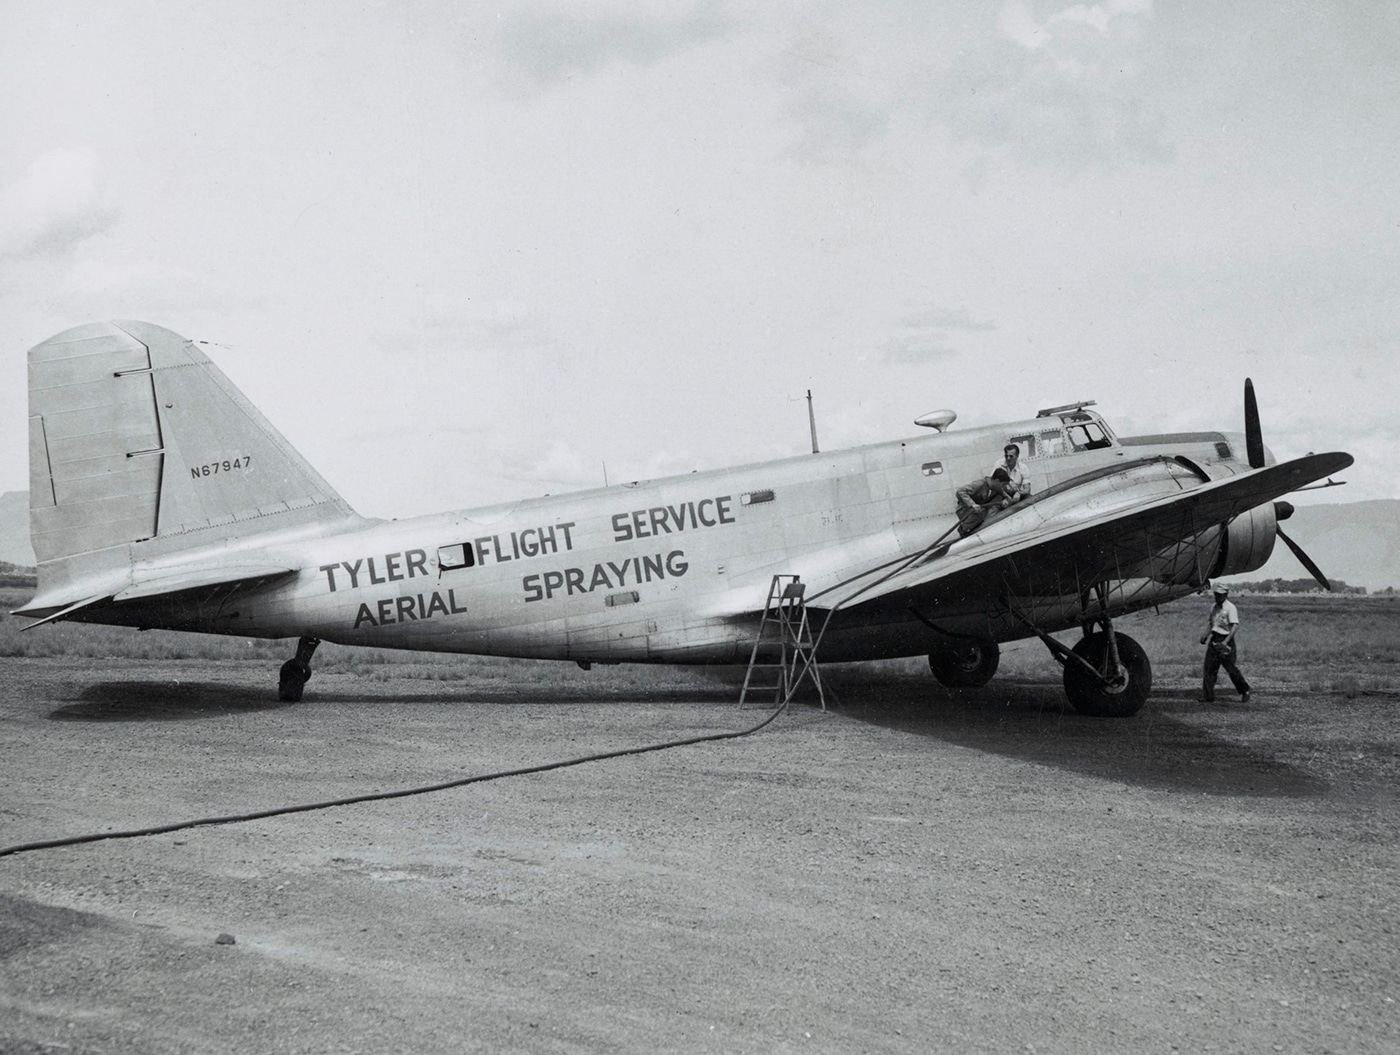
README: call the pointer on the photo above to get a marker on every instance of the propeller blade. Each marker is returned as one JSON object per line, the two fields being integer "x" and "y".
{"x": 1304, "y": 559}
{"x": 1253, "y": 434}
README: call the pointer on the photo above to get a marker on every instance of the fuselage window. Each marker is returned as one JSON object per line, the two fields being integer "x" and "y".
{"x": 1088, "y": 437}
{"x": 1050, "y": 444}
{"x": 457, "y": 555}
{"x": 1026, "y": 445}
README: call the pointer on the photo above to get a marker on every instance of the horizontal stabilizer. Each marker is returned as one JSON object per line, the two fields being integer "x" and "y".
{"x": 176, "y": 580}
{"x": 61, "y": 613}
{"x": 162, "y": 582}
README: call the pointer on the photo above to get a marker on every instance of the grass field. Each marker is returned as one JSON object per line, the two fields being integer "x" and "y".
{"x": 1344, "y": 644}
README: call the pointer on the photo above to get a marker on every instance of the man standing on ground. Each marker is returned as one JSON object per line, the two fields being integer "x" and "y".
{"x": 1222, "y": 626}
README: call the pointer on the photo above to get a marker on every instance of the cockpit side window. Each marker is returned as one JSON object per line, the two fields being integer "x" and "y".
{"x": 1088, "y": 436}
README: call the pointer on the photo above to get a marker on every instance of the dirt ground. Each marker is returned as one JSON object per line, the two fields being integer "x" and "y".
{"x": 913, "y": 872}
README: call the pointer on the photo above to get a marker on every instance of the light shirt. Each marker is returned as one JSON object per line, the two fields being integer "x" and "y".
{"x": 1223, "y": 617}
{"x": 1018, "y": 478}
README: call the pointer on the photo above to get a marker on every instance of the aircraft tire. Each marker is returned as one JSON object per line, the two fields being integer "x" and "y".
{"x": 292, "y": 680}
{"x": 1088, "y": 695}
{"x": 967, "y": 665}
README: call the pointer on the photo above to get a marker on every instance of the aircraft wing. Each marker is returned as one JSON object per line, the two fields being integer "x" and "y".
{"x": 1058, "y": 556}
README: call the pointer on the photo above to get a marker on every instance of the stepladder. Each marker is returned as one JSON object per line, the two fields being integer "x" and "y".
{"x": 784, "y": 652}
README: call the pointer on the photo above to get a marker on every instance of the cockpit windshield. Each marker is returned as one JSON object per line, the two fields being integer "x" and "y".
{"x": 1077, "y": 430}
{"x": 1088, "y": 436}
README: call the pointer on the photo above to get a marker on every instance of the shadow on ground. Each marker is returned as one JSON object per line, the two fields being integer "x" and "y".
{"x": 169, "y": 701}
{"x": 1163, "y": 746}
{"x": 163, "y": 701}
{"x": 1031, "y": 721}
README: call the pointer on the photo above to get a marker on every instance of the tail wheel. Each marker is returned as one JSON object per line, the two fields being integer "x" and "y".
{"x": 1109, "y": 693}
{"x": 966, "y": 665}
{"x": 292, "y": 679}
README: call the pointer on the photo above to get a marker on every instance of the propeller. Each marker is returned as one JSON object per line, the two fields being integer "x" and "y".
{"x": 1282, "y": 511}
{"x": 1253, "y": 434}
{"x": 1254, "y": 451}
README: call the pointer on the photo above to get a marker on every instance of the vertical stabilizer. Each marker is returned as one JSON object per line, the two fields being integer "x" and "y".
{"x": 139, "y": 446}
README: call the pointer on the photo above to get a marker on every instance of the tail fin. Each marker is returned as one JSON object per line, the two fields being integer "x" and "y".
{"x": 139, "y": 446}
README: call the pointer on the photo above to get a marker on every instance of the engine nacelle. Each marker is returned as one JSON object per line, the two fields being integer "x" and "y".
{"x": 1248, "y": 542}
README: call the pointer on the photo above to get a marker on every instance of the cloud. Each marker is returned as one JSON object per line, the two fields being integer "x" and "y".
{"x": 1016, "y": 21}
{"x": 914, "y": 348}
{"x": 58, "y": 204}
{"x": 922, "y": 335}
{"x": 552, "y": 44}
{"x": 504, "y": 329}
{"x": 945, "y": 319}
{"x": 1067, "y": 90}
{"x": 1071, "y": 88}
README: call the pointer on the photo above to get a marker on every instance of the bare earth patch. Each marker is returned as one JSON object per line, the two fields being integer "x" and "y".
{"x": 913, "y": 871}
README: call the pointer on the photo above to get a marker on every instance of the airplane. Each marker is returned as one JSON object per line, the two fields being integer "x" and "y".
{"x": 161, "y": 498}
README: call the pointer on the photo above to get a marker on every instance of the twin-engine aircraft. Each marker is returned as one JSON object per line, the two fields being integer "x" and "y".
{"x": 161, "y": 498}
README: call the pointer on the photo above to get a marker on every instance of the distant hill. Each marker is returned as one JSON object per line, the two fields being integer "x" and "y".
{"x": 1357, "y": 542}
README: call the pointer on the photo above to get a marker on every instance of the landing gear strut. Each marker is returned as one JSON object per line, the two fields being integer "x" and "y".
{"x": 296, "y": 672}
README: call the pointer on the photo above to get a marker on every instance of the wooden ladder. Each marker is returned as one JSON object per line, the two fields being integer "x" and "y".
{"x": 783, "y": 650}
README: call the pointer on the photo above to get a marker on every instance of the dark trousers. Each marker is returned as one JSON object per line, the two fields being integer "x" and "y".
{"x": 1215, "y": 659}
{"x": 970, "y": 519}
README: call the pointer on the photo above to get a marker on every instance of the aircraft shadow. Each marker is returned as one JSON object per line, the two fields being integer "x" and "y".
{"x": 163, "y": 701}
{"x": 160, "y": 701}
{"x": 1029, "y": 721}
{"x": 1033, "y": 722}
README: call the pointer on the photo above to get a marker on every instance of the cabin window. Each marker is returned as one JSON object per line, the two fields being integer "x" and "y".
{"x": 1089, "y": 436}
{"x": 457, "y": 555}
{"x": 1025, "y": 444}
{"x": 933, "y": 468}
{"x": 1050, "y": 444}
{"x": 753, "y": 498}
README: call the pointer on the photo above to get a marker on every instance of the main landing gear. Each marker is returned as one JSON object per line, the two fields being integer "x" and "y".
{"x": 1107, "y": 674}
{"x": 296, "y": 672}
{"x": 968, "y": 664}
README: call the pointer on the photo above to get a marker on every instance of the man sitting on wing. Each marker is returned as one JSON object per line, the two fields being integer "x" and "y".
{"x": 1010, "y": 459}
{"x": 977, "y": 500}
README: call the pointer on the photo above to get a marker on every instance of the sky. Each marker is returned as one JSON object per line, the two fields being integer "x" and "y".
{"x": 463, "y": 253}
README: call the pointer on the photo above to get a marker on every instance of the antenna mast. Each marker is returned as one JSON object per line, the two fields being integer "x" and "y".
{"x": 812, "y": 420}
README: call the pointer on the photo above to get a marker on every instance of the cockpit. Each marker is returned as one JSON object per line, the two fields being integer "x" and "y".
{"x": 1063, "y": 430}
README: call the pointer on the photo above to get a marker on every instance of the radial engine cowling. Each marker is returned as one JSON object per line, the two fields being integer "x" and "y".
{"x": 1248, "y": 542}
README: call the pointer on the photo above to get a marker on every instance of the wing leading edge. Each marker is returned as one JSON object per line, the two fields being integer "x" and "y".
{"x": 1060, "y": 559}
